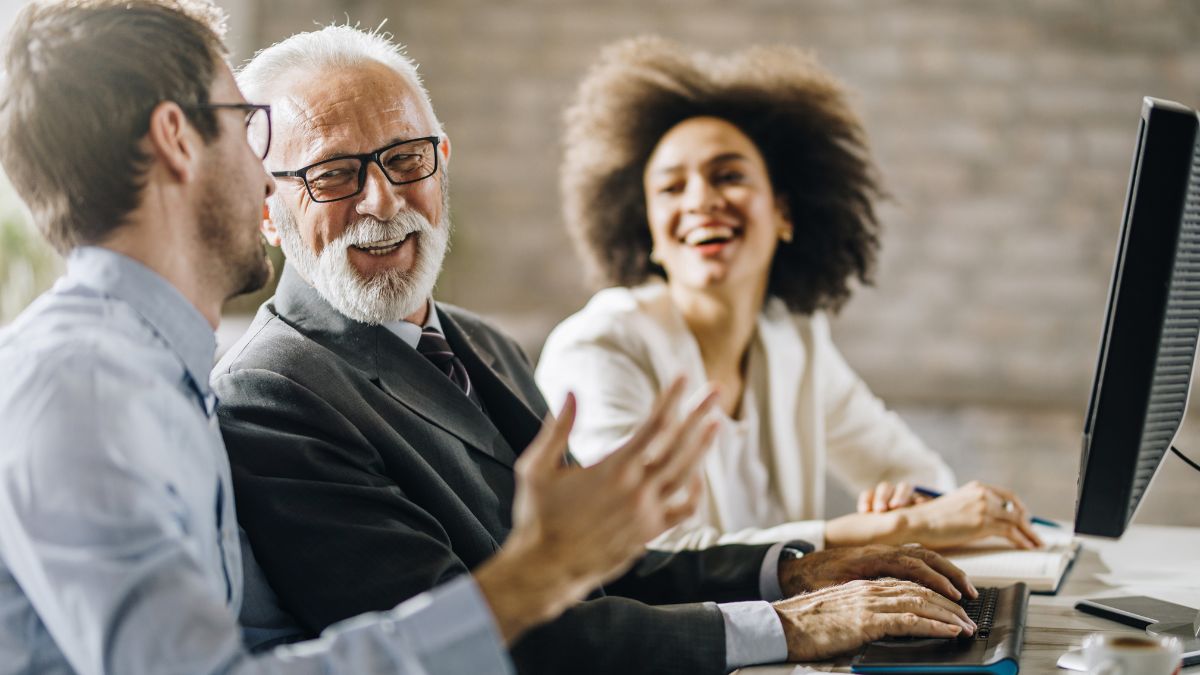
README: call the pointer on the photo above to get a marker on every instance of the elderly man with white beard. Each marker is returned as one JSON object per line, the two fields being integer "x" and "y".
{"x": 373, "y": 432}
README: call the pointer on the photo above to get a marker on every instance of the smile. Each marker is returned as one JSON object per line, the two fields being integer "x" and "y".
{"x": 381, "y": 248}
{"x": 709, "y": 234}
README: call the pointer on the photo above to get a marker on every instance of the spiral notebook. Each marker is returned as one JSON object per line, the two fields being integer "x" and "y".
{"x": 996, "y": 562}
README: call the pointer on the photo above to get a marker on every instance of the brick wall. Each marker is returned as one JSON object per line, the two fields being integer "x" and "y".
{"x": 1004, "y": 130}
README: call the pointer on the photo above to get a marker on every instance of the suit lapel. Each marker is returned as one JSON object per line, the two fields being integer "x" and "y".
{"x": 505, "y": 408}
{"x": 399, "y": 369}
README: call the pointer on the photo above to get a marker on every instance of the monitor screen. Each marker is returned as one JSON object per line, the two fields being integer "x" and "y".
{"x": 1148, "y": 345}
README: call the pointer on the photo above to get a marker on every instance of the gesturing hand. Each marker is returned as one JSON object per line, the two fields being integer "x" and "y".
{"x": 575, "y": 528}
{"x": 595, "y": 520}
{"x": 830, "y": 567}
{"x": 837, "y": 619}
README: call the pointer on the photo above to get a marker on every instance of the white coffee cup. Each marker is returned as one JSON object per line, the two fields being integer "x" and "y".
{"x": 1131, "y": 654}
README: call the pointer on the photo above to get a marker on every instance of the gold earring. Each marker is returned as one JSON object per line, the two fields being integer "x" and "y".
{"x": 786, "y": 234}
{"x": 655, "y": 258}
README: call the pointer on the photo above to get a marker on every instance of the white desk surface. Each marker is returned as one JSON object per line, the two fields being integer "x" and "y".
{"x": 1158, "y": 561}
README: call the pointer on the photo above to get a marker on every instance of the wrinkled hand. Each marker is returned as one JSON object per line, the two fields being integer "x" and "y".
{"x": 575, "y": 528}
{"x": 885, "y": 497}
{"x": 838, "y": 619}
{"x": 830, "y": 567}
{"x": 971, "y": 512}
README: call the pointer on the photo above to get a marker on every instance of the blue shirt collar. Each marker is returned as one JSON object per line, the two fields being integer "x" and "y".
{"x": 176, "y": 320}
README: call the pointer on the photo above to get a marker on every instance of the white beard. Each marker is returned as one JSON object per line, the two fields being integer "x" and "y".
{"x": 390, "y": 296}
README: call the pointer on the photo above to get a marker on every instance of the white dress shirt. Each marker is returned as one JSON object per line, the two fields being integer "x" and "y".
{"x": 804, "y": 414}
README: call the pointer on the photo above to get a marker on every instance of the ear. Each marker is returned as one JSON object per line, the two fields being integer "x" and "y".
{"x": 269, "y": 231}
{"x": 785, "y": 211}
{"x": 173, "y": 141}
{"x": 444, "y": 148}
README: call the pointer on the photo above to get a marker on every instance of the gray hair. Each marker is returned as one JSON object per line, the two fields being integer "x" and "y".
{"x": 337, "y": 46}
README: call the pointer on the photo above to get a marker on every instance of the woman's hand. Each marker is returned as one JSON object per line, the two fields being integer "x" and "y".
{"x": 885, "y": 497}
{"x": 971, "y": 512}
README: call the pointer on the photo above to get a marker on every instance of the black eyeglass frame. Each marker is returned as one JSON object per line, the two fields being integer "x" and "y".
{"x": 248, "y": 108}
{"x": 364, "y": 160}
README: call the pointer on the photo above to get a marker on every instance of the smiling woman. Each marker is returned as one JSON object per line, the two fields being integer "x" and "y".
{"x": 731, "y": 202}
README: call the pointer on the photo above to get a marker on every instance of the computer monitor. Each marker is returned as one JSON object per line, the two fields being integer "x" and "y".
{"x": 1148, "y": 347}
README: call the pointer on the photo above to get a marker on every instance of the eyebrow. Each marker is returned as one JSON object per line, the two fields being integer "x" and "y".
{"x": 723, "y": 157}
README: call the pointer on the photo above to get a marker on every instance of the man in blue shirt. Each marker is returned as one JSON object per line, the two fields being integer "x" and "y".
{"x": 122, "y": 127}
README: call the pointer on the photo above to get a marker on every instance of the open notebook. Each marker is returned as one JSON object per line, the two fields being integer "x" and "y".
{"x": 995, "y": 562}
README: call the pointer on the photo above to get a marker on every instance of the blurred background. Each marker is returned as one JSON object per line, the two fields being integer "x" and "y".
{"x": 1004, "y": 131}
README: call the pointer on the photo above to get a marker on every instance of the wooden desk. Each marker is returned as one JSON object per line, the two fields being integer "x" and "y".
{"x": 1158, "y": 561}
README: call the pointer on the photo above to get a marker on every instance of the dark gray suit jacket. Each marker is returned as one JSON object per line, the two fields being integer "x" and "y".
{"x": 364, "y": 476}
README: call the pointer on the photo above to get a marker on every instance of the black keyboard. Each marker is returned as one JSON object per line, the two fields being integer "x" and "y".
{"x": 995, "y": 647}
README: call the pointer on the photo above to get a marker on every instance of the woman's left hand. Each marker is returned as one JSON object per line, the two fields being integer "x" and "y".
{"x": 885, "y": 497}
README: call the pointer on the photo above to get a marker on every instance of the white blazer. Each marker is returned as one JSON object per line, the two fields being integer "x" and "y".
{"x": 811, "y": 414}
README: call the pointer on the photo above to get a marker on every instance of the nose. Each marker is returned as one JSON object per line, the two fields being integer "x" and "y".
{"x": 700, "y": 195}
{"x": 380, "y": 199}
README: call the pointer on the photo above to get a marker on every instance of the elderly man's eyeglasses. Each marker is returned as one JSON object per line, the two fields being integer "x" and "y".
{"x": 258, "y": 123}
{"x": 343, "y": 177}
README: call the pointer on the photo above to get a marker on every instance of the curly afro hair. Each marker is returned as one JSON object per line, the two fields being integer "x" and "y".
{"x": 794, "y": 111}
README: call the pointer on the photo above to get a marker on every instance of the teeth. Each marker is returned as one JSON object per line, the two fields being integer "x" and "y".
{"x": 382, "y": 247}
{"x": 701, "y": 235}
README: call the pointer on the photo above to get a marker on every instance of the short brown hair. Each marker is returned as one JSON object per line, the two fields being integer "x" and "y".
{"x": 793, "y": 110}
{"x": 82, "y": 77}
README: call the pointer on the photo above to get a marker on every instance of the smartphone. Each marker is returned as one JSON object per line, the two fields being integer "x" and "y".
{"x": 1138, "y": 611}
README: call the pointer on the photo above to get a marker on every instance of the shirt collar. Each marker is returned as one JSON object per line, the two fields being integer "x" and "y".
{"x": 411, "y": 332}
{"x": 172, "y": 316}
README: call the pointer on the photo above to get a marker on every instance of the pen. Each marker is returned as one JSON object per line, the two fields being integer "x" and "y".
{"x": 934, "y": 494}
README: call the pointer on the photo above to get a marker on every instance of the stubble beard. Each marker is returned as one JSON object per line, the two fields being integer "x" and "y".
{"x": 239, "y": 258}
{"x": 383, "y": 298}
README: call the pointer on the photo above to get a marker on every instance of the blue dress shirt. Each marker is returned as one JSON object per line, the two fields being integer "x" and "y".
{"x": 119, "y": 546}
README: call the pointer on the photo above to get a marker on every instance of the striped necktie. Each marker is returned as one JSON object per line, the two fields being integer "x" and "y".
{"x": 434, "y": 347}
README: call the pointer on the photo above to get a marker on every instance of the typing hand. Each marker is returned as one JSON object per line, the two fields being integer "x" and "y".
{"x": 886, "y": 496}
{"x": 838, "y": 619}
{"x": 830, "y": 567}
{"x": 971, "y": 512}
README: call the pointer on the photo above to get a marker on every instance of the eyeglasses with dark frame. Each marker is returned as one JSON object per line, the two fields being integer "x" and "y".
{"x": 258, "y": 127}
{"x": 342, "y": 177}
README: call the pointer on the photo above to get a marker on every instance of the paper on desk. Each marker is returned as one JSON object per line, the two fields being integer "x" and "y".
{"x": 1164, "y": 577}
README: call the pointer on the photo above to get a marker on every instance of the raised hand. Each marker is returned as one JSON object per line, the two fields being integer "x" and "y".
{"x": 575, "y": 528}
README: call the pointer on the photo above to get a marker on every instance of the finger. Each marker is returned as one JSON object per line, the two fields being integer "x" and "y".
{"x": 883, "y": 493}
{"x": 924, "y": 602}
{"x": 914, "y": 568}
{"x": 947, "y": 569}
{"x": 1030, "y": 531}
{"x": 865, "y": 499}
{"x": 544, "y": 454}
{"x": 902, "y": 496}
{"x": 677, "y": 514}
{"x": 660, "y": 414}
{"x": 681, "y": 434}
{"x": 901, "y": 625}
{"x": 684, "y": 462}
{"x": 1018, "y": 537}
